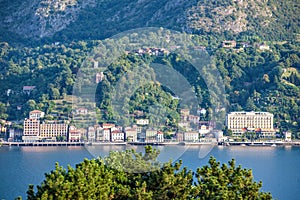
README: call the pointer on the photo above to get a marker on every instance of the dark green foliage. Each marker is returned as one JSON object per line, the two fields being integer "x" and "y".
{"x": 227, "y": 182}
{"x": 132, "y": 175}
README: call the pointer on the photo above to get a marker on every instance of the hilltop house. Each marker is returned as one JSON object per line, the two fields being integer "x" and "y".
{"x": 36, "y": 114}
{"x": 28, "y": 89}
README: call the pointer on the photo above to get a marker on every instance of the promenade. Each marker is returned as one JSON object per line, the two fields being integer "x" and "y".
{"x": 42, "y": 144}
{"x": 233, "y": 143}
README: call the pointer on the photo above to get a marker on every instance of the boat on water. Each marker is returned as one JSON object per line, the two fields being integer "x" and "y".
{"x": 273, "y": 145}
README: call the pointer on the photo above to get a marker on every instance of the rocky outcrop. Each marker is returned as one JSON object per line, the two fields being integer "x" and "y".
{"x": 42, "y": 18}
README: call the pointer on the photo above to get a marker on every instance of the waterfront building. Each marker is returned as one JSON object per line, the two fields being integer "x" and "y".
{"x": 117, "y": 136}
{"x": 31, "y": 130}
{"x": 105, "y": 135}
{"x": 288, "y": 136}
{"x": 241, "y": 122}
{"x": 160, "y": 136}
{"x": 31, "y": 127}
{"x": 91, "y": 134}
{"x": 15, "y": 134}
{"x": 191, "y": 136}
{"x": 52, "y": 130}
{"x": 36, "y": 114}
{"x": 131, "y": 134}
{"x": 179, "y": 136}
{"x": 151, "y": 135}
{"x": 98, "y": 133}
{"x": 204, "y": 129}
{"x": 74, "y": 134}
{"x": 218, "y": 134}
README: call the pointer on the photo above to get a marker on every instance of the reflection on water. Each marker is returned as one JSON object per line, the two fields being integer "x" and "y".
{"x": 41, "y": 149}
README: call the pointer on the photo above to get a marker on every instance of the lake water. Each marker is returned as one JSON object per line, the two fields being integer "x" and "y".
{"x": 277, "y": 167}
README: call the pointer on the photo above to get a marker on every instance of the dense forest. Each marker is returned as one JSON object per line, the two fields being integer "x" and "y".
{"x": 133, "y": 175}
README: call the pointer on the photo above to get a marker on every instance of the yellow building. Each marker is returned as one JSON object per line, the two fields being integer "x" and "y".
{"x": 53, "y": 130}
{"x": 240, "y": 122}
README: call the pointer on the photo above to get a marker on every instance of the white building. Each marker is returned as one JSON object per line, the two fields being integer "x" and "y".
{"x": 160, "y": 137}
{"x": 74, "y": 134}
{"x": 288, "y": 136}
{"x": 99, "y": 133}
{"x": 117, "y": 136}
{"x": 131, "y": 134}
{"x": 219, "y": 136}
{"x": 91, "y": 134}
{"x": 240, "y": 122}
{"x": 142, "y": 121}
{"x": 191, "y": 136}
{"x": 106, "y": 134}
{"x": 204, "y": 129}
{"x": 36, "y": 114}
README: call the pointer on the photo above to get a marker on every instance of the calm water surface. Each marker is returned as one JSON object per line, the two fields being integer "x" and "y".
{"x": 276, "y": 167}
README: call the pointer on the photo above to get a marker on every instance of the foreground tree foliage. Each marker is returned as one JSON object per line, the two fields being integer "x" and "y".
{"x": 132, "y": 175}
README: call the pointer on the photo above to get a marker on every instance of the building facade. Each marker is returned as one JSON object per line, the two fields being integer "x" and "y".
{"x": 36, "y": 114}
{"x": 160, "y": 136}
{"x": 131, "y": 134}
{"x": 191, "y": 136}
{"x": 151, "y": 135}
{"x": 91, "y": 134}
{"x": 74, "y": 134}
{"x": 53, "y": 130}
{"x": 240, "y": 122}
{"x": 117, "y": 136}
{"x": 31, "y": 130}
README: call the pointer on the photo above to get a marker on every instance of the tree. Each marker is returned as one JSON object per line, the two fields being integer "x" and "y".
{"x": 3, "y": 110}
{"x": 227, "y": 182}
{"x": 132, "y": 175}
{"x": 250, "y": 106}
{"x": 55, "y": 93}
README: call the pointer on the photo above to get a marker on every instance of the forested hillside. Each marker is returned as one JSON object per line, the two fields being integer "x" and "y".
{"x": 45, "y": 43}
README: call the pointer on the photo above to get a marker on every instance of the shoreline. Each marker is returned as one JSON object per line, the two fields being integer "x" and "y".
{"x": 246, "y": 144}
